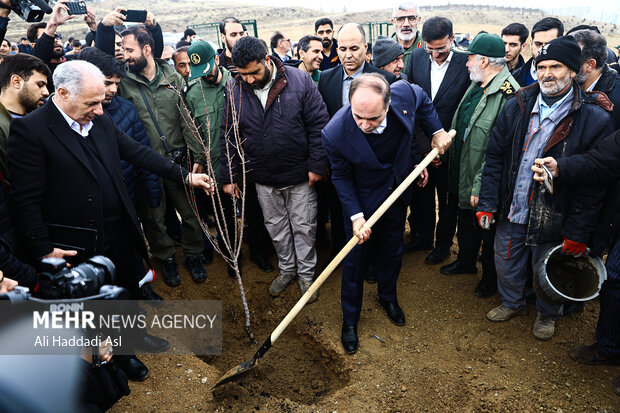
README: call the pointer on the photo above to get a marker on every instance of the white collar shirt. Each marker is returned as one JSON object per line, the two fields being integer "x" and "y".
{"x": 83, "y": 130}
{"x": 438, "y": 72}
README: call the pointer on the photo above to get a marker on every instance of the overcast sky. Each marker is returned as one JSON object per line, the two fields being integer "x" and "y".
{"x": 608, "y": 6}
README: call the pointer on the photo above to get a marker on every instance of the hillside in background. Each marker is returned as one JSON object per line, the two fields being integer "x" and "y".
{"x": 174, "y": 16}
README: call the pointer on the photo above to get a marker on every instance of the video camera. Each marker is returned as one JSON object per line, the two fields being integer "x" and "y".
{"x": 89, "y": 280}
{"x": 31, "y": 10}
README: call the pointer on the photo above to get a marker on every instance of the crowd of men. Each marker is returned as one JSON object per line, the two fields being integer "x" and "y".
{"x": 322, "y": 134}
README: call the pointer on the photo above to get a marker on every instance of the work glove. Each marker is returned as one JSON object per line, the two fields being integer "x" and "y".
{"x": 485, "y": 219}
{"x": 576, "y": 249}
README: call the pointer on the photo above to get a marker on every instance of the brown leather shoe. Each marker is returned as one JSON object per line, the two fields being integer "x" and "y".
{"x": 590, "y": 355}
{"x": 616, "y": 386}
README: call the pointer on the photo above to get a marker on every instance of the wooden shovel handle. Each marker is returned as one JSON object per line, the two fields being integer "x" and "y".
{"x": 353, "y": 241}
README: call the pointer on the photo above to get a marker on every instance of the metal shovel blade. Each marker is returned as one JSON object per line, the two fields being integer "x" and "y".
{"x": 236, "y": 372}
{"x": 243, "y": 368}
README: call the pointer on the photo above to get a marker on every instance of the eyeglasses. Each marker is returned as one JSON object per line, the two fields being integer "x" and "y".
{"x": 401, "y": 19}
{"x": 443, "y": 49}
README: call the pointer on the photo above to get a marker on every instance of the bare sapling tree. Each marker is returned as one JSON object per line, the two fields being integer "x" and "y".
{"x": 230, "y": 231}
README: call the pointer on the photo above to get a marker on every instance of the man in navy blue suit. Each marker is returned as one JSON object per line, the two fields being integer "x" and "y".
{"x": 370, "y": 147}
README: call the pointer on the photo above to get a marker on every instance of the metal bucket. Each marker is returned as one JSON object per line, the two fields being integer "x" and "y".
{"x": 563, "y": 278}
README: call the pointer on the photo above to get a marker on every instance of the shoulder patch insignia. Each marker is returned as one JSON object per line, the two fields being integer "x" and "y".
{"x": 507, "y": 89}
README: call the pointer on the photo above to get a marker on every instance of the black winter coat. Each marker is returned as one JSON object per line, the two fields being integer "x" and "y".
{"x": 125, "y": 116}
{"x": 52, "y": 181}
{"x": 572, "y": 210}
{"x": 601, "y": 164}
{"x": 281, "y": 142}
{"x": 609, "y": 84}
{"x": 10, "y": 265}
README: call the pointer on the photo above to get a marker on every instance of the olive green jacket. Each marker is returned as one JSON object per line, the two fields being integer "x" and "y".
{"x": 417, "y": 43}
{"x": 476, "y": 136}
{"x": 167, "y": 105}
{"x": 206, "y": 102}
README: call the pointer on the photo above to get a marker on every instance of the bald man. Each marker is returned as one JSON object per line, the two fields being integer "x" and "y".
{"x": 370, "y": 147}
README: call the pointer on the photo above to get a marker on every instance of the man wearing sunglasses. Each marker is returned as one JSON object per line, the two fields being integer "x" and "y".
{"x": 405, "y": 18}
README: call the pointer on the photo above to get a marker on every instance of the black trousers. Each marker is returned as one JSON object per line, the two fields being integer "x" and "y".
{"x": 121, "y": 245}
{"x": 330, "y": 208}
{"x": 258, "y": 237}
{"x": 608, "y": 327}
{"x": 337, "y": 220}
{"x": 422, "y": 219}
{"x": 384, "y": 251}
{"x": 470, "y": 236}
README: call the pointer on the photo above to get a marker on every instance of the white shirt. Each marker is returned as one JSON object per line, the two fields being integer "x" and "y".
{"x": 591, "y": 88}
{"x": 382, "y": 126}
{"x": 263, "y": 93}
{"x": 437, "y": 73}
{"x": 79, "y": 128}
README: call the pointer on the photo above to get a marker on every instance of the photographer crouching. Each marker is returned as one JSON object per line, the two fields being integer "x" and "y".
{"x": 64, "y": 169}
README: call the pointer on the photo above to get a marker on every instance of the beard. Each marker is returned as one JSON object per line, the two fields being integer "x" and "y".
{"x": 405, "y": 37}
{"x": 230, "y": 45}
{"x": 581, "y": 77}
{"x": 28, "y": 101}
{"x": 266, "y": 77}
{"x": 137, "y": 65}
{"x": 211, "y": 78}
{"x": 476, "y": 74}
{"x": 326, "y": 43}
{"x": 551, "y": 86}
{"x": 58, "y": 54}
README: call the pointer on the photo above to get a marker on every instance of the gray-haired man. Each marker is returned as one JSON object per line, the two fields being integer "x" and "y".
{"x": 74, "y": 154}
{"x": 406, "y": 18}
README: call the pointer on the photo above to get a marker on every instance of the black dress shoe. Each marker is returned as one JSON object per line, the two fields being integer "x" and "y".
{"x": 349, "y": 339}
{"x": 485, "y": 291}
{"x": 418, "y": 245}
{"x": 132, "y": 367}
{"x": 153, "y": 344}
{"x": 262, "y": 263}
{"x": 437, "y": 256}
{"x": 458, "y": 267}
{"x": 394, "y": 312}
{"x": 152, "y": 298}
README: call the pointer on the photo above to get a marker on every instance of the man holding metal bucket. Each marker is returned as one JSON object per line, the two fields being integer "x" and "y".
{"x": 553, "y": 117}
{"x": 601, "y": 164}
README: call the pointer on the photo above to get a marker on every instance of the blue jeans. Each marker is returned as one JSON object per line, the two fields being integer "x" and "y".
{"x": 511, "y": 257}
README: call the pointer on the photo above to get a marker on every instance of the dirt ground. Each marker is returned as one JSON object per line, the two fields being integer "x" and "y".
{"x": 447, "y": 357}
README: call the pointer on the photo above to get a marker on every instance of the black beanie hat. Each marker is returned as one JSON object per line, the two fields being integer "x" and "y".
{"x": 564, "y": 49}
{"x": 385, "y": 50}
